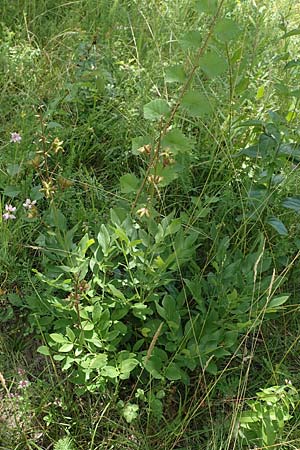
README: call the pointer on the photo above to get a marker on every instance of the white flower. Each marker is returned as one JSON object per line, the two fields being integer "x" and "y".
{"x": 29, "y": 204}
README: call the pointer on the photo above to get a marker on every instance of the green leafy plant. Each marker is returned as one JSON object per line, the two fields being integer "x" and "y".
{"x": 263, "y": 423}
{"x": 128, "y": 300}
{"x": 123, "y": 304}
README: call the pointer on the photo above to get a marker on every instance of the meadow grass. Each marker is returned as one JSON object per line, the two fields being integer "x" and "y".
{"x": 92, "y": 66}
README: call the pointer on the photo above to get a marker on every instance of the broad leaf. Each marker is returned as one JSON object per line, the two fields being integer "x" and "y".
{"x": 59, "y": 338}
{"x": 99, "y": 361}
{"x": 173, "y": 372}
{"x": 227, "y": 30}
{"x": 175, "y": 74}
{"x": 43, "y": 350}
{"x": 212, "y": 368}
{"x": 278, "y": 301}
{"x": 260, "y": 92}
{"x": 197, "y": 104}
{"x": 278, "y": 226}
{"x": 65, "y": 348}
{"x": 116, "y": 292}
{"x": 206, "y": 6}
{"x": 155, "y": 109}
{"x": 129, "y": 183}
{"x": 264, "y": 149}
{"x": 168, "y": 174}
{"x": 282, "y": 89}
{"x": 70, "y": 334}
{"x": 154, "y": 366}
{"x": 191, "y": 40}
{"x": 292, "y": 149}
{"x": 110, "y": 371}
{"x": 11, "y": 191}
{"x": 53, "y": 125}
{"x": 212, "y": 64}
{"x": 103, "y": 238}
{"x": 292, "y": 203}
{"x": 127, "y": 366}
{"x": 295, "y": 93}
{"x": 13, "y": 169}
{"x": 139, "y": 142}
{"x": 177, "y": 142}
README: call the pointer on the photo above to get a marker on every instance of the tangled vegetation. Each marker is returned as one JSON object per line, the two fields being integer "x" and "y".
{"x": 149, "y": 265}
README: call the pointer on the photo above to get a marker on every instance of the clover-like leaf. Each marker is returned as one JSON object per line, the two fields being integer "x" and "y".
{"x": 130, "y": 412}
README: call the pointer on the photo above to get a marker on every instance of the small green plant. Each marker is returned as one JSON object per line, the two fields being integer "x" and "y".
{"x": 65, "y": 443}
{"x": 263, "y": 423}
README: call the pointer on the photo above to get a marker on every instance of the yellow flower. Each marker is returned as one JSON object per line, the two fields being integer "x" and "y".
{"x": 143, "y": 212}
{"x": 57, "y": 145}
{"x": 48, "y": 188}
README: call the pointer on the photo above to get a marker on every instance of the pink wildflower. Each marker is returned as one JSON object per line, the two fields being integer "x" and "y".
{"x": 23, "y": 384}
{"x": 15, "y": 138}
{"x": 9, "y": 209}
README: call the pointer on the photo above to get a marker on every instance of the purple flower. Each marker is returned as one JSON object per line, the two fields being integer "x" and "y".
{"x": 15, "y": 137}
{"x": 9, "y": 209}
{"x": 23, "y": 384}
{"x": 29, "y": 204}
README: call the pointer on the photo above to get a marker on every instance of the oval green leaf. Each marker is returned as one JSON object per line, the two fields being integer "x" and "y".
{"x": 292, "y": 203}
{"x": 59, "y": 338}
{"x": 278, "y": 226}
{"x": 99, "y": 362}
{"x": 278, "y": 301}
{"x": 66, "y": 348}
{"x": 43, "y": 350}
